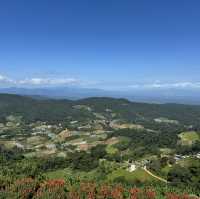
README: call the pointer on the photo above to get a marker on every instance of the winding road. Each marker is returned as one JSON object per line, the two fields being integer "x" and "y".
{"x": 157, "y": 177}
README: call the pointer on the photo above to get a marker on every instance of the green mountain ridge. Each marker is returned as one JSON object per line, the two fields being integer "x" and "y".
{"x": 35, "y": 109}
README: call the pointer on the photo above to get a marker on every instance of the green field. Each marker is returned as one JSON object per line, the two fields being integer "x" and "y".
{"x": 58, "y": 174}
{"x": 189, "y": 137}
{"x": 67, "y": 172}
{"x": 137, "y": 175}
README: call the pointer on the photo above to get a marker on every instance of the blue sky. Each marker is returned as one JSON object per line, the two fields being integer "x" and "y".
{"x": 110, "y": 44}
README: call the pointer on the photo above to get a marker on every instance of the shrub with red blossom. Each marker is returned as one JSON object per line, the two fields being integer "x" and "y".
{"x": 24, "y": 188}
{"x": 104, "y": 191}
{"x": 28, "y": 188}
{"x": 117, "y": 192}
{"x": 51, "y": 189}
{"x": 176, "y": 196}
{"x": 89, "y": 189}
{"x": 150, "y": 194}
{"x": 136, "y": 193}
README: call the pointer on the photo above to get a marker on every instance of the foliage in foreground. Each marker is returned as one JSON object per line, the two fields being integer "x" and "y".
{"x": 28, "y": 188}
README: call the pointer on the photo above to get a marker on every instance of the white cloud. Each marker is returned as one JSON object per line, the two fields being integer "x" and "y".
{"x": 48, "y": 81}
{"x": 2, "y": 78}
{"x": 56, "y": 81}
{"x": 5, "y": 81}
{"x": 159, "y": 85}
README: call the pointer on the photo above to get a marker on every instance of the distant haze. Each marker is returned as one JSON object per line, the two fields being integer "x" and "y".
{"x": 151, "y": 96}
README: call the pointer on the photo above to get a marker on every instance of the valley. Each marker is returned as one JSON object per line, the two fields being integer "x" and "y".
{"x": 100, "y": 139}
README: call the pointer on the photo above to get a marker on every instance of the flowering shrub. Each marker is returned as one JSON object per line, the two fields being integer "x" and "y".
{"x": 89, "y": 189}
{"x": 117, "y": 192}
{"x": 104, "y": 191}
{"x": 23, "y": 188}
{"x": 150, "y": 194}
{"x": 136, "y": 193}
{"x": 51, "y": 189}
{"x": 176, "y": 196}
{"x": 29, "y": 188}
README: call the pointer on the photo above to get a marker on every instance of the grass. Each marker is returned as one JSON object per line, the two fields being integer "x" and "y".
{"x": 189, "y": 137}
{"x": 166, "y": 170}
{"x": 137, "y": 175}
{"x": 63, "y": 173}
{"x": 36, "y": 140}
{"x": 30, "y": 155}
{"x": 8, "y": 144}
{"x": 110, "y": 149}
{"x": 166, "y": 151}
{"x": 58, "y": 174}
{"x": 131, "y": 177}
{"x": 187, "y": 162}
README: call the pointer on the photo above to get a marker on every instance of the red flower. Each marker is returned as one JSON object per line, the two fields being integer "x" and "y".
{"x": 150, "y": 194}
{"x": 105, "y": 191}
{"x": 117, "y": 192}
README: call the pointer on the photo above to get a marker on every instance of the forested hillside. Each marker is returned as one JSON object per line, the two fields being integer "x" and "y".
{"x": 55, "y": 110}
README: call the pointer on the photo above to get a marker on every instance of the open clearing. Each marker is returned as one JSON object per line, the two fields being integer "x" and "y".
{"x": 137, "y": 175}
{"x": 188, "y": 138}
{"x": 63, "y": 173}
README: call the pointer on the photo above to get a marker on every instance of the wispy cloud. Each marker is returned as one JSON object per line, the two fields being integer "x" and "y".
{"x": 159, "y": 85}
{"x": 62, "y": 81}
{"x": 37, "y": 81}
{"x": 6, "y": 80}
{"x": 48, "y": 81}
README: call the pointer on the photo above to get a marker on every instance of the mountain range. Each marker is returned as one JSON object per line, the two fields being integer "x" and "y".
{"x": 74, "y": 93}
